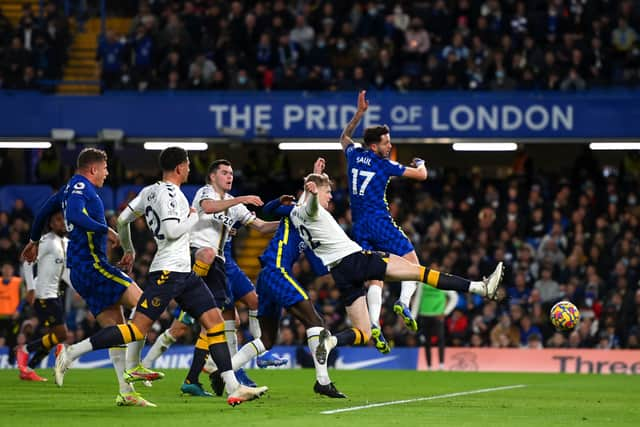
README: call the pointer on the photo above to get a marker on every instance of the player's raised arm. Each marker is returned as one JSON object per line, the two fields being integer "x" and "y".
{"x": 417, "y": 170}
{"x": 363, "y": 104}
{"x": 214, "y": 206}
{"x": 311, "y": 200}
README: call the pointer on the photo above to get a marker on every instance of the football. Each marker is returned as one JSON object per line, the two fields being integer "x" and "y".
{"x": 564, "y": 316}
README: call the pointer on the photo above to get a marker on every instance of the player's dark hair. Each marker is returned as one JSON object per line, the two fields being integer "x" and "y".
{"x": 373, "y": 135}
{"x": 319, "y": 179}
{"x": 214, "y": 166}
{"x": 171, "y": 157}
{"x": 89, "y": 156}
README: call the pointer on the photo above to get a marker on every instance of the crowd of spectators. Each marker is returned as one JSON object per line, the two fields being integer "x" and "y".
{"x": 351, "y": 45}
{"x": 35, "y": 50}
{"x": 570, "y": 236}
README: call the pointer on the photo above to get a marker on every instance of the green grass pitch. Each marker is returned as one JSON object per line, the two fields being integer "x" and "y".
{"x": 88, "y": 399}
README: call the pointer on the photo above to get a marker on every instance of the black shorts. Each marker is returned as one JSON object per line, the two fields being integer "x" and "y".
{"x": 216, "y": 281}
{"x": 188, "y": 289}
{"x": 49, "y": 312}
{"x": 357, "y": 268}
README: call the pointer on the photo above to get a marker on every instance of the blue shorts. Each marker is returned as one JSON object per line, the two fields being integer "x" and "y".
{"x": 381, "y": 233}
{"x": 49, "y": 312}
{"x": 101, "y": 285}
{"x": 276, "y": 290}
{"x": 237, "y": 281}
{"x": 183, "y": 316}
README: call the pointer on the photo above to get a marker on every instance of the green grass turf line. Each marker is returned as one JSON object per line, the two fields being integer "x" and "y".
{"x": 88, "y": 399}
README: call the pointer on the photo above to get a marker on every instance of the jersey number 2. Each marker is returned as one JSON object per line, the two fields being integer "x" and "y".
{"x": 153, "y": 220}
{"x": 305, "y": 232}
{"x": 368, "y": 176}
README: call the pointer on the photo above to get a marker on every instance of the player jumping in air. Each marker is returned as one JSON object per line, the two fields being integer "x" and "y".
{"x": 351, "y": 266}
{"x": 369, "y": 171}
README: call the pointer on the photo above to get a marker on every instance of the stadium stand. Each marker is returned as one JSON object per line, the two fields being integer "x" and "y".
{"x": 315, "y": 45}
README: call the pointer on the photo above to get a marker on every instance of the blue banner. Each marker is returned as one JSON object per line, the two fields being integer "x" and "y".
{"x": 179, "y": 357}
{"x": 301, "y": 115}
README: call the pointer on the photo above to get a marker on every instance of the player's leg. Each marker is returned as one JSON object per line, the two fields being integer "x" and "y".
{"x": 439, "y": 329}
{"x": 161, "y": 289}
{"x": 181, "y": 324}
{"x": 50, "y": 314}
{"x": 200, "y": 303}
{"x": 398, "y": 268}
{"x": 374, "y": 304}
{"x": 407, "y": 289}
{"x": 425, "y": 333}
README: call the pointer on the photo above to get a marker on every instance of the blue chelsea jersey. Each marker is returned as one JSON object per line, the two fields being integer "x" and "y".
{"x": 368, "y": 176}
{"x": 285, "y": 248}
{"x": 84, "y": 217}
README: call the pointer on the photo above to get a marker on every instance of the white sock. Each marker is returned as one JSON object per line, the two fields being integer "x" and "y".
{"x": 118, "y": 359}
{"x": 230, "y": 381}
{"x": 230, "y": 335}
{"x": 134, "y": 351}
{"x": 78, "y": 349}
{"x": 254, "y": 325}
{"x": 162, "y": 344}
{"x": 247, "y": 353}
{"x": 406, "y": 292}
{"x": 313, "y": 339}
{"x": 476, "y": 288}
{"x": 374, "y": 303}
{"x": 210, "y": 365}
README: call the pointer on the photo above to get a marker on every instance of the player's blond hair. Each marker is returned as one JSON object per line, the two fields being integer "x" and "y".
{"x": 319, "y": 179}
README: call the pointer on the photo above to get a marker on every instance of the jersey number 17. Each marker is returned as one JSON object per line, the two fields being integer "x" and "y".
{"x": 368, "y": 176}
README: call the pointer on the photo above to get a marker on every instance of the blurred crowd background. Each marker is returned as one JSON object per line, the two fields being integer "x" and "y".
{"x": 568, "y": 45}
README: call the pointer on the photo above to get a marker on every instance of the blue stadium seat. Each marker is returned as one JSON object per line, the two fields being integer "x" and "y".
{"x": 123, "y": 193}
{"x": 33, "y": 195}
{"x": 106, "y": 194}
{"x": 190, "y": 191}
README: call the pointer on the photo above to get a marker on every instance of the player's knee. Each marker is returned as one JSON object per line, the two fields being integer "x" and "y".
{"x": 251, "y": 300}
{"x": 206, "y": 255}
{"x": 178, "y": 329}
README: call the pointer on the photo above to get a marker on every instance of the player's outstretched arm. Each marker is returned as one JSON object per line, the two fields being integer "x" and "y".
{"x": 264, "y": 226}
{"x": 214, "y": 206}
{"x": 363, "y": 104}
{"x": 417, "y": 170}
{"x": 53, "y": 204}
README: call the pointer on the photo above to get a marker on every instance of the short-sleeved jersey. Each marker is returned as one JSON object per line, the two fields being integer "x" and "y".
{"x": 368, "y": 175}
{"x": 285, "y": 248}
{"x": 160, "y": 203}
{"x": 85, "y": 245}
{"x": 322, "y": 234}
{"x": 212, "y": 230}
{"x": 51, "y": 266}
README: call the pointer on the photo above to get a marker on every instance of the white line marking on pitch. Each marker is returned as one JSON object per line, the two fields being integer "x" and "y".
{"x": 421, "y": 399}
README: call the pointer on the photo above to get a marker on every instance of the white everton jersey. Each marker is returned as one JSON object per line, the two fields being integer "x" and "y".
{"x": 52, "y": 268}
{"x": 212, "y": 230}
{"x": 160, "y": 203}
{"x": 322, "y": 234}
